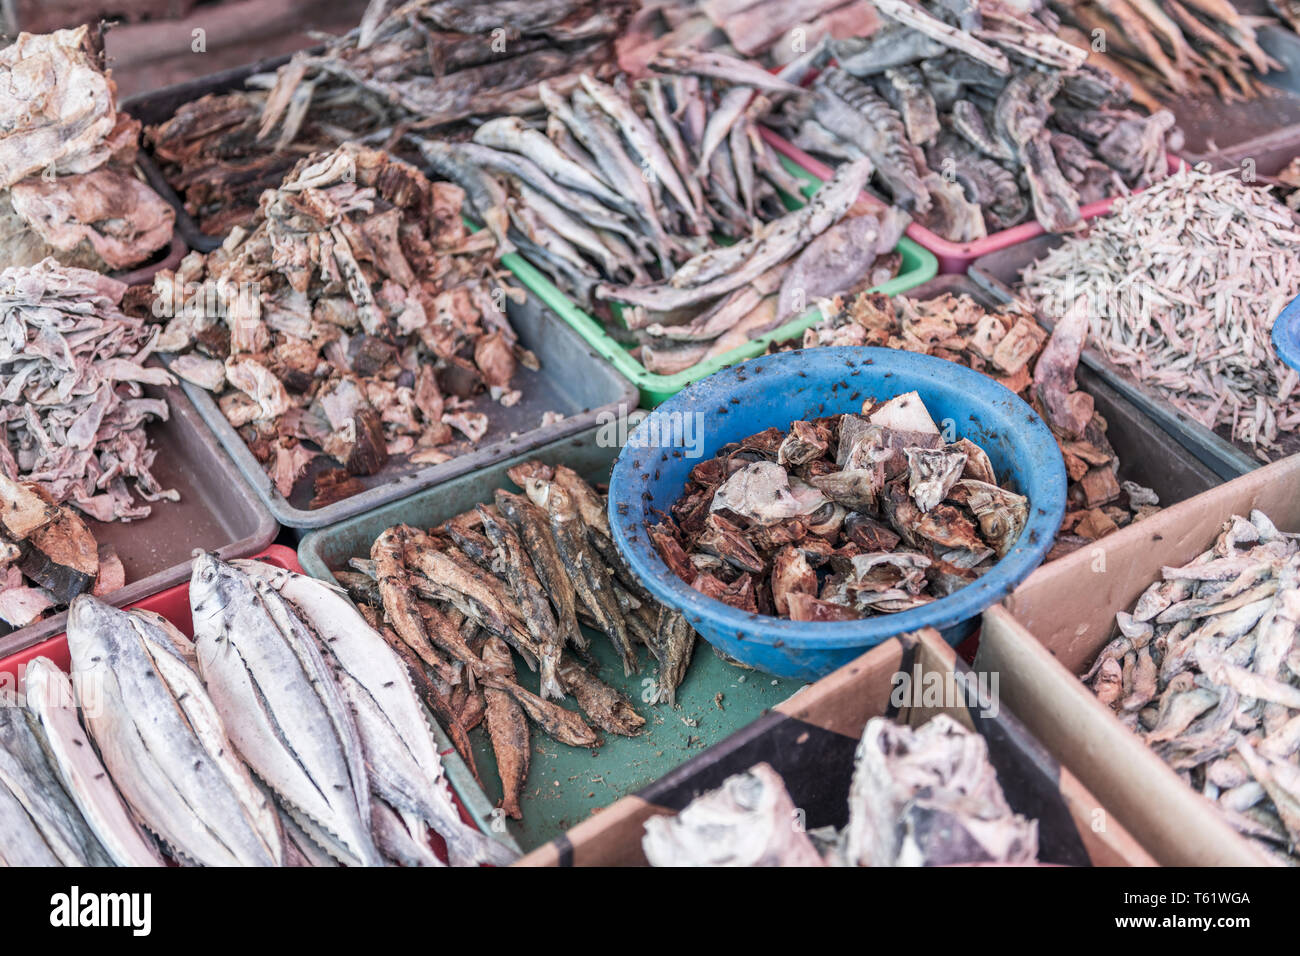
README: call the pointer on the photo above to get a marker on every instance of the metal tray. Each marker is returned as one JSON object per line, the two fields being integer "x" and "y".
{"x": 573, "y": 380}
{"x": 217, "y": 512}
{"x": 565, "y": 785}
{"x": 1000, "y": 271}
{"x": 1147, "y": 453}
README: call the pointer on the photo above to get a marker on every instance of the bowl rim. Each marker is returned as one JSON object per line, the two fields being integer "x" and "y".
{"x": 705, "y": 613}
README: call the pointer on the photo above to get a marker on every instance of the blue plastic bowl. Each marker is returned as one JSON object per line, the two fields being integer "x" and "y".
{"x": 730, "y": 405}
{"x": 1286, "y": 334}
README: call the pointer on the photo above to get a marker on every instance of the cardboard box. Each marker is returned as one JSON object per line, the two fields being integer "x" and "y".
{"x": 810, "y": 738}
{"x": 1051, "y": 628}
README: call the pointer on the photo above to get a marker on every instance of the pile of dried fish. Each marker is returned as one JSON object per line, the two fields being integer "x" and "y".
{"x": 1010, "y": 347}
{"x": 842, "y": 517}
{"x": 68, "y": 188}
{"x": 71, "y": 372}
{"x": 977, "y": 116}
{"x": 1181, "y": 286}
{"x": 925, "y": 796}
{"x": 1169, "y": 49}
{"x": 286, "y": 733}
{"x": 625, "y": 207}
{"x": 359, "y": 318}
{"x": 420, "y": 64}
{"x": 51, "y": 546}
{"x": 1206, "y": 670}
{"x": 522, "y": 573}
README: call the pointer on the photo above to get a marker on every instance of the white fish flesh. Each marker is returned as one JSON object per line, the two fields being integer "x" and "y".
{"x": 163, "y": 743}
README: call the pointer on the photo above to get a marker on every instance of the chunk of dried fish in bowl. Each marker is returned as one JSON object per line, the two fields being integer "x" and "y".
{"x": 920, "y": 796}
{"x": 68, "y": 184}
{"x": 1205, "y": 669}
{"x": 1008, "y": 345}
{"x": 359, "y": 320}
{"x": 879, "y": 515}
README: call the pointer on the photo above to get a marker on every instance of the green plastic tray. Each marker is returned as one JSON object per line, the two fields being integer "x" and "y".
{"x": 919, "y": 265}
{"x": 566, "y": 785}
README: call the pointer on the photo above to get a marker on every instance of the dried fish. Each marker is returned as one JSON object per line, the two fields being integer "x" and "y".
{"x": 1214, "y": 676}
{"x": 68, "y": 186}
{"x": 880, "y": 492}
{"x": 1180, "y": 287}
{"x": 358, "y": 318}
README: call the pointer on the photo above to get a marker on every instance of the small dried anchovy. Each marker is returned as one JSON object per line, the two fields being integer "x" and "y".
{"x": 841, "y": 517}
{"x": 358, "y": 318}
{"x": 71, "y": 402}
{"x": 1009, "y": 346}
{"x": 1181, "y": 285}
{"x": 1206, "y": 670}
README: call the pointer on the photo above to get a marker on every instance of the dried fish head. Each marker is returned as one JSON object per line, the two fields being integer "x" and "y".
{"x": 932, "y": 473}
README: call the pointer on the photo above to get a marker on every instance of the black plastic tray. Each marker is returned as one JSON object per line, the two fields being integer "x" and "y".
{"x": 217, "y": 511}
{"x": 999, "y": 272}
{"x": 1147, "y": 453}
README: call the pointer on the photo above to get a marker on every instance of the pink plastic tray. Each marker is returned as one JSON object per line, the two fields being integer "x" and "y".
{"x": 954, "y": 257}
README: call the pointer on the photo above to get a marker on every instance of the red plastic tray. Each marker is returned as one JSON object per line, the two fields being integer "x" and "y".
{"x": 172, "y": 603}
{"x": 954, "y": 257}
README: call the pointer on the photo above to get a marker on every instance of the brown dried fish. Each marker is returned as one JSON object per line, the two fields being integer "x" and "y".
{"x": 507, "y": 727}
{"x": 752, "y": 533}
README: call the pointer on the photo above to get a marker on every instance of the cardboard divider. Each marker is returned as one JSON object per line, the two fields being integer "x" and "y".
{"x": 1051, "y": 628}
{"x": 810, "y": 740}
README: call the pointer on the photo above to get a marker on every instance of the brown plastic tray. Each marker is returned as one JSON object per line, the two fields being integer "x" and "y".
{"x": 217, "y": 512}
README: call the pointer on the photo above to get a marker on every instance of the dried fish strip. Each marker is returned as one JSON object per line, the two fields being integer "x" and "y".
{"x": 1009, "y": 346}
{"x": 358, "y": 319}
{"x": 1205, "y": 673}
{"x": 72, "y": 367}
{"x": 68, "y": 186}
{"x": 1181, "y": 285}
{"x": 874, "y": 519}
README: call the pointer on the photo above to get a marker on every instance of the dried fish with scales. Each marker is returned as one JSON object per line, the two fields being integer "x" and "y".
{"x": 880, "y": 515}
{"x": 490, "y": 591}
{"x": 1009, "y": 346}
{"x": 422, "y": 64}
{"x": 358, "y": 320}
{"x": 977, "y": 117}
{"x": 1181, "y": 285}
{"x": 68, "y": 185}
{"x": 1205, "y": 669}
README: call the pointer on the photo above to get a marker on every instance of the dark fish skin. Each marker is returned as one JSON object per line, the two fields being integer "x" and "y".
{"x": 591, "y": 580}
{"x": 604, "y": 706}
{"x": 507, "y": 727}
{"x": 673, "y": 646}
{"x": 438, "y": 702}
{"x": 594, "y": 511}
{"x": 531, "y": 526}
{"x": 532, "y": 601}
